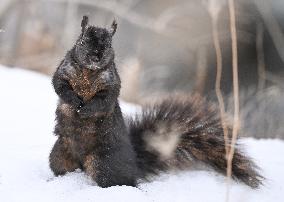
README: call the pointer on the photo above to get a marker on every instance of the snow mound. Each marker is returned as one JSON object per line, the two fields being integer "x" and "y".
{"x": 26, "y": 123}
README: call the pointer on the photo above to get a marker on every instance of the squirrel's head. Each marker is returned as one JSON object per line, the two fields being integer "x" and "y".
{"x": 93, "y": 44}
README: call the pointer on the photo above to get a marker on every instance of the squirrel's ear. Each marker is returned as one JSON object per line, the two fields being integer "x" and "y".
{"x": 84, "y": 22}
{"x": 113, "y": 27}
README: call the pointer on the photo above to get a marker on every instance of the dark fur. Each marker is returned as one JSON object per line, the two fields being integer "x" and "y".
{"x": 91, "y": 131}
{"x": 92, "y": 134}
{"x": 201, "y": 139}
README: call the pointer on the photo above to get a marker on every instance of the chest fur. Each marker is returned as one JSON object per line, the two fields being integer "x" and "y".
{"x": 85, "y": 84}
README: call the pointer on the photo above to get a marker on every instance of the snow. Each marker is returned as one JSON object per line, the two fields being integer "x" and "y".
{"x": 26, "y": 123}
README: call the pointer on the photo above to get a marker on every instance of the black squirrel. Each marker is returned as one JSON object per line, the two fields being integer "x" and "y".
{"x": 93, "y": 136}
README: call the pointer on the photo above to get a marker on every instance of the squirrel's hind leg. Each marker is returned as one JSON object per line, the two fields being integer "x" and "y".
{"x": 61, "y": 160}
{"x": 90, "y": 166}
{"x": 107, "y": 172}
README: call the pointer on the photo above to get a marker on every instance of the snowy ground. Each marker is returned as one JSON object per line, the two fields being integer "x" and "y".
{"x": 26, "y": 123}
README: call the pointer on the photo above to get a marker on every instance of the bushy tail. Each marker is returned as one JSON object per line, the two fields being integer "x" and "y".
{"x": 176, "y": 133}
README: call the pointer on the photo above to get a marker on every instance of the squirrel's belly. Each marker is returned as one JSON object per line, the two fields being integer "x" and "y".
{"x": 81, "y": 145}
{"x": 79, "y": 134}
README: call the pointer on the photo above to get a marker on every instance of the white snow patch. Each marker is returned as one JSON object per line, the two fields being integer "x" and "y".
{"x": 26, "y": 123}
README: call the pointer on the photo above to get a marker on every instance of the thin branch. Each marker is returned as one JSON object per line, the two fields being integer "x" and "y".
{"x": 236, "y": 124}
{"x": 214, "y": 12}
{"x": 218, "y": 91}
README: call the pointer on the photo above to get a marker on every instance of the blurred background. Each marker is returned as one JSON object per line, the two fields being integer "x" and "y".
{"x": 163, "y": 46}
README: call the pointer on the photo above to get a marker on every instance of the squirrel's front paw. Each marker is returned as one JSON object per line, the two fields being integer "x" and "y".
{"x": 77, "y": 103}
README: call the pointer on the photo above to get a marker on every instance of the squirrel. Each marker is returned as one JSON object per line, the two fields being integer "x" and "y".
{"x": 173, "y": 134}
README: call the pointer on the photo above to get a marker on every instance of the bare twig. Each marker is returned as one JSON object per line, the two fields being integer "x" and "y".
{"x": 214, "y": 16}
{"x": 236, "y": 123}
